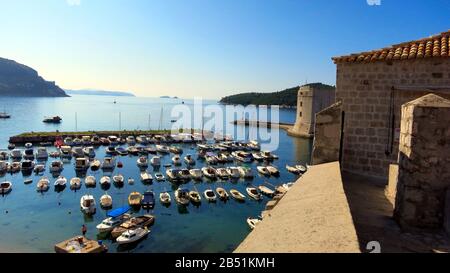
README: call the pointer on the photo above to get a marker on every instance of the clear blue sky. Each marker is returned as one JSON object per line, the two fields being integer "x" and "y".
{"x": 207, "y": 48}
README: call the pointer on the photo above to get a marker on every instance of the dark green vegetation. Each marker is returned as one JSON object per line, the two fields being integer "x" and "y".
{"x": 18, "y": 80}
{"x": 287, "y": 97}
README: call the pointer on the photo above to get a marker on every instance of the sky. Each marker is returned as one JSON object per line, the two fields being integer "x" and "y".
{"x": 204, "y": 48}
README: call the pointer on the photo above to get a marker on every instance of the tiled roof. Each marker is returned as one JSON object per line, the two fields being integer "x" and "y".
{"x": 434, "y": 46}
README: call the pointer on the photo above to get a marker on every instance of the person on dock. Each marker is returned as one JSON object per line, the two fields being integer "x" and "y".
{"x": 83, "y": 229}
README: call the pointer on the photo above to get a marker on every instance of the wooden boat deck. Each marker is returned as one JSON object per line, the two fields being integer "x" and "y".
{"x": 72, "y": 245}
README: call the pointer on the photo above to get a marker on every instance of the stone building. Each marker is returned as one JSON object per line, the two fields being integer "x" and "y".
{"x": 373, "y": 85}
{"x": 311, "y": 99}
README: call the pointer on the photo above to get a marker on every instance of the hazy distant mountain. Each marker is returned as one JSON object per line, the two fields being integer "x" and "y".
{"x": 99, "y": 93}
{"x": 19, "y": 80}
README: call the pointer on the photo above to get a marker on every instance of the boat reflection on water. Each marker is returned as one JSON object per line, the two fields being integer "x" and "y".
{"x": 182, "y": 209}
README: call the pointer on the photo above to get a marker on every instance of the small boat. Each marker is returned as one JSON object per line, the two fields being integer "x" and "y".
{"x": 189, "y": 160}
{"x": 28, "y": 145}
{"x": 113, "y": 140}
{"x": 252, "y": 222}
{"x": 155, "y": 161}
{"x": 164, "y": 197}
{"x": 118, "y": 179}
{"x": 14, "y": 167}
{"x": 16, "y": 154}
{"x": 210, "y": 195}
{"x": 148, "y": 200}
{"x": 89, "y": 152}
{"x": 222, "y": 173}
{"x": 266, "y": 191}
{"x": 119, "y": 164}
{"x": 86, "y": 140}
{"x": 233, "y": 172}
{"x": 28, "y": 154}
{"x": 172, "y": 174}
{"x": 182, "y": 196}
{"x": 132, "y": 150}
{"x": 27, "y": 166}
{"x": 301, "y": 168}
{"x": 268, "y": 155}
{"x": 130, "y": 181}
{"x": 78, "y": 152}
{"x": 28, "y": 181}
{"x": 184, "y": 174}
{"x": 253, "y": 193}
{"x": 162, "y": 149}
{"x": 55, "y": 119}
{"x": 146, "y": 177}
{"x": 4, "y": 155}
{"x": 75, "y": 183}
{"x": 56, "y": 166}
{"x": 142, "y": 140}
{"x": 43, "y": 184}
{"x": 209, "y": 172}
{"x": 263, "y": 170}
{"x": 159, "y": 177}
{"x": 142, "y": 162}
{"x": 105, "y": 181}
{"x": 90, "y": 181}
{"x": 5, "y": 187}
{"x": 111, "y": 150}
{"x": 134, "y": 199}
{"x": 60, "y": 182}
{"x": 258, "y": 156}
{"x": 211, "y": 159}
{"x": 54, "y": 154}
{"x": 39, "y": 168}
{"x": 196, "y": 174}
{"x": 106, "y": 201}
{"x": 111, "y": 222}
{"x": 273, "y": 170}
{"x": 95, "y": 165}
{"x": 11, "y": 146}
{"x": 293, "y": 170}
{"x": 80, "y": 244}
{"x": 222, "y": 193}
{"x": 176, "y": 160}
{"x": 108, "y": 164}
{"x": 81, "y": 164}
{"x": 131, "y": 140}
{"x": 132, "y": 223}
{"x": 195, "y": 197}
{"x": 87, "y": 204}
{"x": 132, "y": 235}
{"x": 237, "y": 195}
{"x": 66, "y": 151}
{"x": 95, "y": 140}
{"x": 121, "y": 151}
{"x": 41, "y": 153}
{"x": 254, "y": 145}
{"x": 242, "y": 156}
{"x": 3, "y": 167}
{"x": 246, "y": 172}
{"x": 68, "y": 141}
{"x": 175, "y": 150}
{"x": 150, "y": 150}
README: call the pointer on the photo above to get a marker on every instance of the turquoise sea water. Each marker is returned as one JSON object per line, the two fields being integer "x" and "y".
{"x": 34, "y": 222}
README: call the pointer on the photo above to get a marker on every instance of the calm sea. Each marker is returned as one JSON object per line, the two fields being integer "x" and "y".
{"x": 34, "y": 222}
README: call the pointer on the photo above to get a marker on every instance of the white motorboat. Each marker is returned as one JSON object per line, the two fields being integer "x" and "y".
{"x": 195, "y": 197}
{"x": 162, "y": 149}
{"x": 95, "y": 165}
{"x": 89, "y": 152}
{"x": 81, "y": 164}
{"x": 184, "y": 174}
{"x": 5, "y": 187}
{"x": 43, "y": 184}
{"x": 75, "y": 183}
{"x": 246, "y": 172}
{"x": 189, "y": 160}
{"x": 233, "y": 172}
{"x": 176, "y": 160}
{"x": 210, "y": 195}
{"x": 66, "y": 151}
{"x": 196, "y": 174}
{"x": 155, "y": 161}
{"x": 41, "y": 153}
{"x": 142, "y": 140}
{"x": 118, "y": 179}
{"x": 87, "y": 204}
{"x": 209, "y": 172}
{"x": 263, "y": 170}
{"x": 211, "y": 159}
{"x": 182, "y": 196}
{"x": 86, "y": 140}
{"x": 273, "y": 170}
{"x": 252, "y": 222}
{"x": 106, "y": 201}
{"x": 132, "y": 150}
{"x": 131, "y": 140}
{"x": 61, "y": 181}
{"x": 253, "y": 193}
{"x": 287, "y": 186}
{"x": 39, "y": 168}
{"x": 258, "y": 156}
{"x": 175, "y": 150}
{"x": 268, "y": 155}
{"x": 254, "y": 145}
{"x": 222, "y": 193}
{"x": 242, "y": 156}
{"x": 109, "y": 163}
{"x": 301, "y": 168}
{"x": 113, "y": 140}
{"x": 27, "y": 166}
{"x": 14, "y": 167}
{"x": 146, "y": 177}
{"x": 142, "y": 162}
{"x": 164, "y": 197}
{"x": 105, "y": 181}
{"x": 265, "y": 190}
{"x": 132, "y": 235}
{"x": 68, "y": 141}
{"x": 172, "y": 174}
{"x": 78, "y": 152}
{"x": 222, "y": 173}
{"x": 28, "y": 145}
{"x": 110, "y": 223}
{"x": 56, "y": 166}
{"x": 16, "y": 154}
{"x": 237, "y": 195}
{"x": 77, "y": 142}
{"x": 95, "y": 140}
{"x": 159, "y": 177}
{"x": 293, "y": 170}
{"x": 90, "y": 181}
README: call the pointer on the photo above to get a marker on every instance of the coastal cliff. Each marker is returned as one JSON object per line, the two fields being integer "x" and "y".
{"x": 18, "y": 80}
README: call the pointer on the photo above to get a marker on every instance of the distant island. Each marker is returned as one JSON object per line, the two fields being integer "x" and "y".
{"x": 91, "y": 92}
{"x": 168, "y": 97}
{"x": 18, "y": 80}
{"x": 286, "y": 98}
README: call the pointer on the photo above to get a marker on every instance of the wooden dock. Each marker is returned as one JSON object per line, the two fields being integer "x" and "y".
{"x": 80, "y": 244}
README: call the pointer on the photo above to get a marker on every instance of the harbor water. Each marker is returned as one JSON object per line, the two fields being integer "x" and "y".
{"x": 34, "y": 222}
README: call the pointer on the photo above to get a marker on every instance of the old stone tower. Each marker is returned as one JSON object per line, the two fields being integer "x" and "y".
{"x": 311, "y": 99}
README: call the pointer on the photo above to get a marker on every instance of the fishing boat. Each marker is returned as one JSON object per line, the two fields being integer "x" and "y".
{"x": 237, "y": 195}
{"x": 110, "y": 223}
{"x": 132, "y": 223}
{"x": 78, "y": 152}
{"x": 43, "y": 184}
{"x": 246, "y": 172}
{"x": 14, "y": 167}
{"x": 90, "y": 181}
{"x": 162, "y": 149}
{"x": 89, "y": 152}
{"x": 5, "y": 187}
{"x": 56, "y": 166}
{"x": 196, "y": 174}
{"x": 222, "y": 173}
{"x": 118, "y": 179}
{"x": 233, "y": 172}
{"x": 182, "y": 196}
{"x": 75, "y": 183}
{"x": 189, "y": 160}
{"x": 148, "y": 200}
{"x": 27, "y": 166}
{"x": 108, "y": 164}
{"x": 81, "y": 164}
{"x": 132, "y": 235}
{"x": 142, "y": 162}
{"x": 146, "y": 177}
{"x": 210, "y": 195}
{"x": 266, "y": 191}
{"x": 184, "y": 174}
{"x": 273, "y": 170}
{"x": 87, "y": 204}
{"x": 222, "y": 193}
{"x": 39, "y": 168}
{"x": 130, "y": 181}
{"x": 155, "y": 161}
{"x": 209, "y": 172}
{"x": 66, "y": 151}
{"x": 195, "y": 197}
{"x": 106, "y": 201}
{"x": 41, "y": 153}
{"x": 253, "y": 193}
{"x": 176, "y": 160}
{"x": 55, "y": 119}
{"x": 16, "y": 154}
{"x": 263, "y": 170}
{"x": 122, "y": 151}
{"x": 164, "y": 198}
{"x": 134, "y": 199}
{"x": 60, "y": 182}
{"x": 159, "y": 177}
{"x": 95, "y": 165}
{"x": 252, "y": 222}
{"x": 105, "y": 181}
